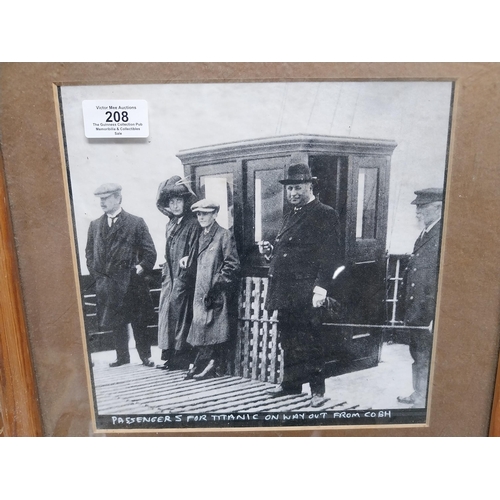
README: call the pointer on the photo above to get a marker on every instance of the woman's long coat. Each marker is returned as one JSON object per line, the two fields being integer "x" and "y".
{"x": 214, "y": 307}
{"x": 176, "y": 298}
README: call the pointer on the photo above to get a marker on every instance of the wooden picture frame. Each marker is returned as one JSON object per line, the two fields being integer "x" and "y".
{"x": 52, "y": 365}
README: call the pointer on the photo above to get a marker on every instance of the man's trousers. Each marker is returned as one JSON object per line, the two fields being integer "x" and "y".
{"x": 302, "y": 343}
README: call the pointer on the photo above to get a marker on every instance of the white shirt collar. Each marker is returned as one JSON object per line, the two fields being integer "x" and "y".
{"x": 311, "y": 200}
{"x": 430, "y": 226}
{"x": 114, "y": 214}
{"x": 206, "y": 230}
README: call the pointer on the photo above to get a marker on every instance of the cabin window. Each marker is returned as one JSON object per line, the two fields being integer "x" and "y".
{"x": 366, "y": 220}
{"x": 268, "y": 204}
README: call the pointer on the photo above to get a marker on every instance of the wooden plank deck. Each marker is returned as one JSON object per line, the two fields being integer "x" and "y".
{"x": 135, "y": 389}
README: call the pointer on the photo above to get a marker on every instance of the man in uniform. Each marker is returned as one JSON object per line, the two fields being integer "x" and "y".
{"x": 120, "y": 252}
{"x": 420, "y": 282}
{"x": 304, "y": 256}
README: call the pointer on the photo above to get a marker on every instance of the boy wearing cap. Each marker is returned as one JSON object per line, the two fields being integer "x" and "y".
{"x": 120, "y": 252}
{"x": 214, "y": 308}
{"x": 420, "y": 285}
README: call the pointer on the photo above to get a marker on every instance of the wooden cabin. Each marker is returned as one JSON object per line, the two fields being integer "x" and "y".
{"x": 353, "y": 178}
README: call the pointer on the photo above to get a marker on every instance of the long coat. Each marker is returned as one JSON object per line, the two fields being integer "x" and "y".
{"x": 177, "y": 289}
{"x": 420, "y": 287}
{"x": 306, "y": 253}
{"x": 112, "y": 254}
{"x": 421, "y": 277}
{"x": 217, "y": 272}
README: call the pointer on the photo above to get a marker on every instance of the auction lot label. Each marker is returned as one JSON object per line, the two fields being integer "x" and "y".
{"x": 115, "y": 118}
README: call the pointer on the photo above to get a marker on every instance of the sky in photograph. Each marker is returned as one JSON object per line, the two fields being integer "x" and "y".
{"x": 182, "y": 116}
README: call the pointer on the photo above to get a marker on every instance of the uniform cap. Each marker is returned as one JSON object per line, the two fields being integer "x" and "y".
{"x": 106, "y": 189}
{"x": 205, "y": 205}
{"x": 428, "y": 195}
{"x": 298, "y": 173}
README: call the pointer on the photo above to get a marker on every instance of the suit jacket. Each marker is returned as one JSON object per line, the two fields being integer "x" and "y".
{"x": 421, "y": 277}
{"x": 306, "y": 253}
{"x": 112, "y": 254}
{"x": 214, "y": 307}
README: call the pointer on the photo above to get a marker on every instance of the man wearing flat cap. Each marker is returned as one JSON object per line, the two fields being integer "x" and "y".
{"x": 420, "y": 288}
{"x": 120, "y": 253}
{"x": 302, "y": 259}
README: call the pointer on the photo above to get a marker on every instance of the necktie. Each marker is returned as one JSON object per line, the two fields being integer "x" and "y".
{"x": 111, "y": 220}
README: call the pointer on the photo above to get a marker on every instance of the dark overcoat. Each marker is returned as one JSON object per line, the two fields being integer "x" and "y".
{"x": 176, "y": 297}
{"x": 217, "y": 272}
{"x": 421, "y": 278}
{"x": 112, "y": 254}
{"x": 306, "y": 253}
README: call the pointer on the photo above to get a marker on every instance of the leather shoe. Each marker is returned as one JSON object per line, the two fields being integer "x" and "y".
{"x": 207, "y": 372}
{"x": 147, "y": 362}
{"x": 280, "y": 391}
{"x": 116, "y": 363}
{"x": 164, "y": 366}
{"x": 408, "y": 400}
{"x": 318, "y": 400}
{"x": 190, "y": 373}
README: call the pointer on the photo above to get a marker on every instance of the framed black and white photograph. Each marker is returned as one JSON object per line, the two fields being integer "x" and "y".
{"x": 260, "y": 254}
{"x": 243, "y": 249}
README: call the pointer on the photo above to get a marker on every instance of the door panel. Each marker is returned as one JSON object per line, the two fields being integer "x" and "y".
{"x": 366, "y": 227}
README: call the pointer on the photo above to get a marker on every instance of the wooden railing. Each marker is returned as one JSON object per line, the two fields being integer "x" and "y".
{"x": 258, "y": 354}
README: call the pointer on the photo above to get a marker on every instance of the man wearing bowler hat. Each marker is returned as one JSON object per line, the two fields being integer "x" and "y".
{"x": 420, "y": 288}
{"x": 120, "y": 253}
{"x": 302, "y": 259}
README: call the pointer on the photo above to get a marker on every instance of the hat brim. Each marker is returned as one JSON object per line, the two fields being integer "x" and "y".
{"x": 109, "y": 193}
{"x": 206, "y": 210}
{"x": 165, "y": 198}
{"x": 416, "y": 201}
{"x": 297, "y": 181}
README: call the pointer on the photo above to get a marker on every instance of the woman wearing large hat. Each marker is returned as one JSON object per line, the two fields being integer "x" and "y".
{"x": 174, "y": 199}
